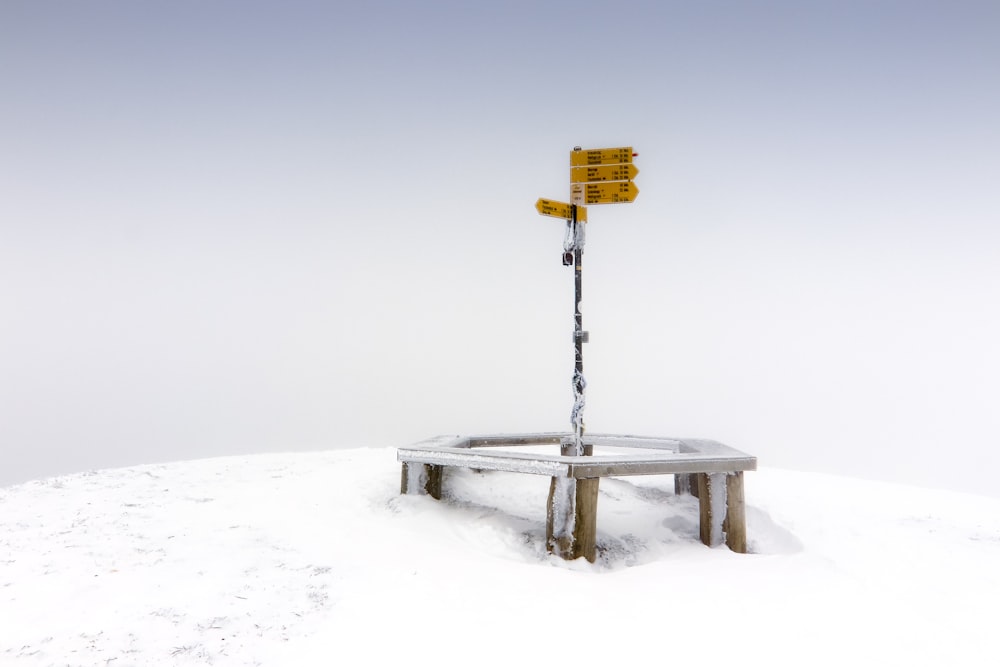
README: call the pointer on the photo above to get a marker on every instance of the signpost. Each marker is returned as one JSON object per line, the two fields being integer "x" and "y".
{"x": 597, "y": 176}
{"x": 614, "y": 192}
{"x": 557, "y": 209}
{"x": 582, "y": 158}
{"x": 608, "y": 172}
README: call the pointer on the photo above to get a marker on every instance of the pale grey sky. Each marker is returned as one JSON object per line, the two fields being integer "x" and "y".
{"x": 234, "y": 227}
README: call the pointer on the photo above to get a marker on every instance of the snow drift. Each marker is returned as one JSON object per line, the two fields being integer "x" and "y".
{"x": 315, "y": 559}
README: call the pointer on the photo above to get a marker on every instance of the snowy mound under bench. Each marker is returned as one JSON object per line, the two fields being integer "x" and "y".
{"x": 709, "y": 470}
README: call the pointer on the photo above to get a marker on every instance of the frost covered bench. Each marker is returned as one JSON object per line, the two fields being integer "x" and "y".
{"x": 709, "y": 470}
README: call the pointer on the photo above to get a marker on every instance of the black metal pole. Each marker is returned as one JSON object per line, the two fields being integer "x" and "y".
{"x": 579, "y": 337}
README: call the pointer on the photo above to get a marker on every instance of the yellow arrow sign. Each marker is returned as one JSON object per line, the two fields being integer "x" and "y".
{"x": 558, "y": 209}
{"x": 620, "y": 192}
{"x": 610, "y": 172}
{"x": 601, "y": 156}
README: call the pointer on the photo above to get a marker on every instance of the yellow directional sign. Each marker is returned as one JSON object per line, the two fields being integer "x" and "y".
{"x": 601, "y": 156}
{"x": 558, "y": 209}
{"x": 609, "y": 172}
{"x": 619, "y": 192}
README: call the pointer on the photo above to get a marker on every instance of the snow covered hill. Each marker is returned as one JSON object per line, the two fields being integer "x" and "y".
{"x": 315, "y": 559}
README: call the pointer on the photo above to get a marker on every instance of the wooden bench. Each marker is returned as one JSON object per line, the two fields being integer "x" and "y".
{"x": 706, "y": 469}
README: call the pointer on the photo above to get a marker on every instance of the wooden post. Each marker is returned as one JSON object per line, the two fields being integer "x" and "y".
{"x": 421, "y": 479}
{"x": 723, "y": 510}
{"x": 735, "y": 524}
{"x": 712, "y": 505}
{"x": 585, "y": 533}
{"x": 685, "y": 484}
{"x": 571, "y": 518}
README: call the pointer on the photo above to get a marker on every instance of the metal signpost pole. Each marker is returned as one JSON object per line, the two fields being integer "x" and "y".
{"x": 579, "y": 335}
{"x": 598, "y": 176}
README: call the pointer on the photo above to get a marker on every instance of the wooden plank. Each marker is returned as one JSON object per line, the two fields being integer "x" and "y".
{"x": 612, "y": 466}
{"x": 580, "y": 467}
{"x": 515, "y": 440}
{"x": 678, "y": 445}
{"x": 632, "y": 442}
{"x": 735, "y": 524}
{"x": 488, "y": 460}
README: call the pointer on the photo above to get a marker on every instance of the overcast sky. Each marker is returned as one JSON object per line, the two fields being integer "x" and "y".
{"x": 234, "y": 227}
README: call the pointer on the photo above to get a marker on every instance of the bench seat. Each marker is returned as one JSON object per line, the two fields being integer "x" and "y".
{"x": 707, "y": 469}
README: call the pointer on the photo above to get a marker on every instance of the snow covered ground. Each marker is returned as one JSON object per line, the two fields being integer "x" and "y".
{"x": 315, "y": 559}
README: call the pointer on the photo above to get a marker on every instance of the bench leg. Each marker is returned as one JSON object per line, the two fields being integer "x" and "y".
{"x": 735, "y": 524}
{"x": 712, "y": 506}
{"x": 571, "y": 518}
{"x": 686, "y": 484}
{"x": 722, "y": 509}
{"x": 421, "y": 479}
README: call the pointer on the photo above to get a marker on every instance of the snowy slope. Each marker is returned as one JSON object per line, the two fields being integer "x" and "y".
{"x": 314, "y": 559}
